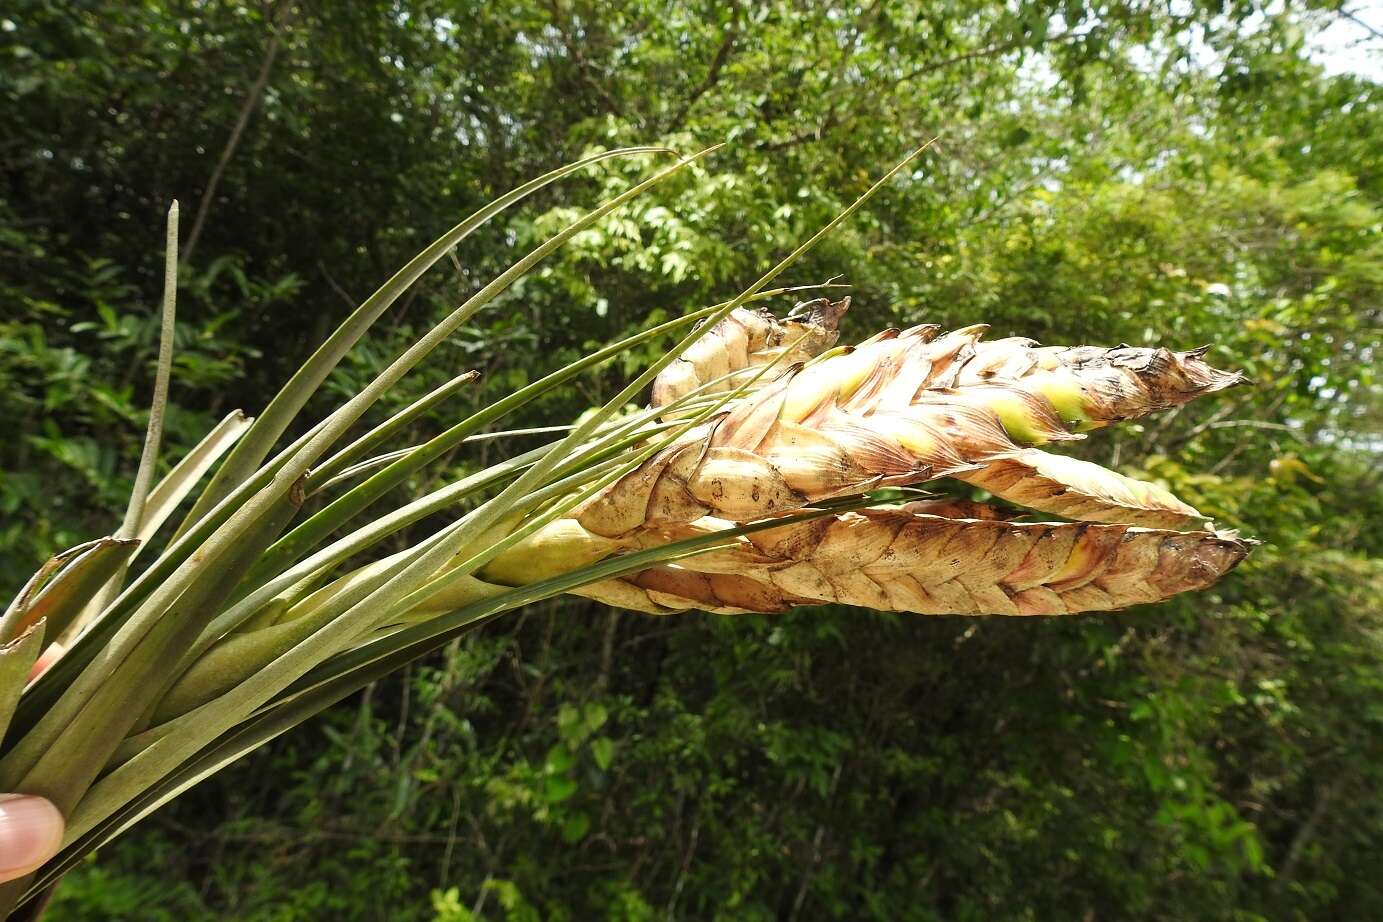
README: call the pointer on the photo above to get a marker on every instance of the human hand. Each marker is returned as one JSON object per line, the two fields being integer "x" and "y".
{"x": 30, "y": 833}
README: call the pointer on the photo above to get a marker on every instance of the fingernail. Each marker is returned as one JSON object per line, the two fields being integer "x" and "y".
{"x": 30, "y": 831}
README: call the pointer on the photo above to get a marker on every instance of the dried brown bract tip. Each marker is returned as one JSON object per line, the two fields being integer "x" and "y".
{"x": 748, "y": 339}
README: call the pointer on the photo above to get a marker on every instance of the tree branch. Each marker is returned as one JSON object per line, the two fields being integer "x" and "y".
{"x": 1354, "y": 18}
{"x": 987, "y": 52}
{"x": 727, "y": 44}
{"x": 1325, "y": 798}
{"x": 247, "y": 109}
{"x": 583, "y": 66}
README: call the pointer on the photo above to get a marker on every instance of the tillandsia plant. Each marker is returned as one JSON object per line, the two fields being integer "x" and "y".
{"x": 772, "y": 468}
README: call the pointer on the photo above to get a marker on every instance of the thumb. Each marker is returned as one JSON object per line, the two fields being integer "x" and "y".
{"x": 30, "y": 833}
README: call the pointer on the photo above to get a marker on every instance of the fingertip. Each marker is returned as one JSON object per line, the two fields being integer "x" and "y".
{"x": 31, "y": 831}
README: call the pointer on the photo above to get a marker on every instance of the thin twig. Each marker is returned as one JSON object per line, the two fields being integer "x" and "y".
{"x": 727, "y": 44}
{"x": 246, "y": 111}
{"x": 810, "y": 871}
{"x": 985, "y": 52}
{"x": 1354, "y": 18}
{"x": 583, "y": 65}
{"x": 1293, "y": 431}
{"x": 1325, "y": 798}
{"x": 607, "y": 649}
{"x": 344, "y": 295}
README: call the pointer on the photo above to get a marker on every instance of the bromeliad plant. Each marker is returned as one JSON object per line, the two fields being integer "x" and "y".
{"x": 749, "y": 485}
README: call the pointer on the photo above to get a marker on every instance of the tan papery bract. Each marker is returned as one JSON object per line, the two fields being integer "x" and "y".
{"x": 905, "y": 407}
{"x": 748, "y": 339}
{"x": 898, "y": 559}
{"x": 1081, "y": 490}
{"x": 1120, "y": 383}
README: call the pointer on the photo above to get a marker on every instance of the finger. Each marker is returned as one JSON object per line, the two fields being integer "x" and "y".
{"x": 30, "y": 833}
{"x": 45, "y": 659}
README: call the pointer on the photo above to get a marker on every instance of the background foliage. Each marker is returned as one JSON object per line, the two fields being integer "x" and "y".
{"x": 1119, "y": 171}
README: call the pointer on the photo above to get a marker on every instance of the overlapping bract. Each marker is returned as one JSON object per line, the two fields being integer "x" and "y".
{"x": 1078, "y": 489}
{"x": 903, "y": 559}
{"x": 748, "y": 339}
{"x": 906, "y": 407}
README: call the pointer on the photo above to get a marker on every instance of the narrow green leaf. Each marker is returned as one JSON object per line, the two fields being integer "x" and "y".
{"x": 153, "y": 435}
{"x": 61, "y": 750}
{"x": 316, "y": 527}
{"x": 228, "y": 538}
{"x": 386, "y": 430}
{"x": 379, "y": 461}
{"x": 45, "y": 697}
{"x": 173, "y": 489}
{"x": 348, "y": 673}
{"x": 17, "y": 658}
{"x": 285, "y": 405}
{"x": 350, "y": 504}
